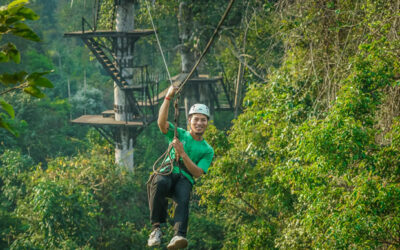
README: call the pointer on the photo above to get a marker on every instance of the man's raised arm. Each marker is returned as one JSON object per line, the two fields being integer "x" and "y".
{"x": 163, "y": 112}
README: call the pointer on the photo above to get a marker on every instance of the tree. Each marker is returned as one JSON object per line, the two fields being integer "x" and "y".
{"x": 310, "y": 164}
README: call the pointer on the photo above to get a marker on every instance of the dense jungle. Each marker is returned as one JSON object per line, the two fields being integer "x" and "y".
{"x": 308, "y": 158}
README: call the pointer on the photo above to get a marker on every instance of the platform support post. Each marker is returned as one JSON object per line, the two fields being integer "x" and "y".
{"x": 124, "y": 152}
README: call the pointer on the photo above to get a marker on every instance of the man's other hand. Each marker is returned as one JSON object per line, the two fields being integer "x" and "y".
{"x": 178, "y": 146}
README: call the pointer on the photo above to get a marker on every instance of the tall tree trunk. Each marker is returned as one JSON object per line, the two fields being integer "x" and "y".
{"x": 239, "y": 84}
{"x": 185, "y": 23}
{"x": 123, "y": 112}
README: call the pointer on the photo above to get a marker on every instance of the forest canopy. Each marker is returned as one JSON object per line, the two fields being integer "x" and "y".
{"x": 310, "y": 159}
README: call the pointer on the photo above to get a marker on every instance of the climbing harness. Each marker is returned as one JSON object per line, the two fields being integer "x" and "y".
{"x": 164, "y": 156}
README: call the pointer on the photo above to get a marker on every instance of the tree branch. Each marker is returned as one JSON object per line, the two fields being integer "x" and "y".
{"x": 240, "y": 58}
{"x": 21, "y": 86}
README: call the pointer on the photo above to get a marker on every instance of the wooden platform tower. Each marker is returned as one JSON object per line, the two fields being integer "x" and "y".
{"x": 135, "y": 95}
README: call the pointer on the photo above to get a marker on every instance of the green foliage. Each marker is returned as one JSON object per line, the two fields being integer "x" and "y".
{"x": 12, "y": 17}
{"x": 9, "y": 226}
{"x": 11, "y": 22}
{"x": 9, "y": 111}
{"x": 9, "y": 52}
{"x": 204, "y": 233}
{"x": 15, "y": 171}
{"x": 7, "y": 108}
{"x": 80, "y": 202}
{"x": 87, "y": 101}
{"x": 62, "y": 210}
{"x": 312, "y": 162}
{"x": 43, "y": 128}
{"x": 304, "y": 163}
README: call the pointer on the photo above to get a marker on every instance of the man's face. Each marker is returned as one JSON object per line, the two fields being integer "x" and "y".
{"x": 198, "y": 123}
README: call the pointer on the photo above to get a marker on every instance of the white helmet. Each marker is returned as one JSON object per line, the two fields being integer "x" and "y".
{"x": 200, "y": 109}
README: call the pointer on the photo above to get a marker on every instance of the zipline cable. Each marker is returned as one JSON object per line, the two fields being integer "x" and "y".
{"x": 158, "y": 41}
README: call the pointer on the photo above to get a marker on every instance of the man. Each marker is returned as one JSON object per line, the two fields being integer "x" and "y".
{"x": 195, "y": 156}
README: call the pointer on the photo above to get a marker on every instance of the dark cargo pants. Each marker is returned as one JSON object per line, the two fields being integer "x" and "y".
{"x": 177, "y": 187}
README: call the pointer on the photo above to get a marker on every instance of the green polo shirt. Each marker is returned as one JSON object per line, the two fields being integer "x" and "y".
{"x": 200, "y": 152}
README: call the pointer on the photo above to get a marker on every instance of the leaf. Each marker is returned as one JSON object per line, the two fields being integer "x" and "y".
{"x": 10, "y": 52}
{"x": 27, "y": 13}
{"x": 6, "y": 126}
{"x": 23, "y": 30}
{"x": 3, "y": 57}
{"x": 17, "y": 3}
{"x": 13, "y": 19}
{"x": 13, "y": 78}
{"x": 37, "y": 75}
{"x": 36, "y": 79}
{"x": 8, "y": 108}
{"x": 14, "y": 54}
{"x": 42, "y": 82}
{"x": 34, "y": 91}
